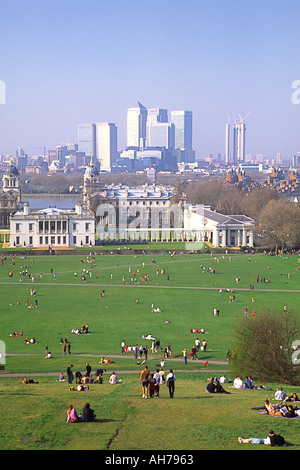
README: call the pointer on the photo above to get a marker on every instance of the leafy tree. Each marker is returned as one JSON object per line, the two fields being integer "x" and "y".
{"x": 263, "y": 348}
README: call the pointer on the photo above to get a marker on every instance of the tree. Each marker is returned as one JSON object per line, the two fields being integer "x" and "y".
{"x": 279, "y": 224}
{"x": 254, "y": 202}
{"x": 263, "y": 348}
{"x": 230, "y": 201}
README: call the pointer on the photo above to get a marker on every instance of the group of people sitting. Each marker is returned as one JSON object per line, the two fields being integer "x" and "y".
{"x": 248, "y": 384}
{"x": 214, "y": 386}
{"x": 88, "y": 378}
{"x": 87, "y": 415}
{"x": 106, "y": 360}
{"x": 29, "y": 341}
{"x": 197, "y": 330}
{"x": 80, "y": 331}
{"x": 15, "y": 333}
{"x": 283, "y": 410}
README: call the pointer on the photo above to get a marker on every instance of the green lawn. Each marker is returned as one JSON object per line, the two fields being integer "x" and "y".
{"x": 186, "y": 293}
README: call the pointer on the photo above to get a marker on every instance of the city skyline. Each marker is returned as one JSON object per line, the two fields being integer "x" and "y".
{"x": 64, "y": 63}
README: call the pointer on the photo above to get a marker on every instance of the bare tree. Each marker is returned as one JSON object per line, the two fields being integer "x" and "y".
{"x": 279, "y": 224}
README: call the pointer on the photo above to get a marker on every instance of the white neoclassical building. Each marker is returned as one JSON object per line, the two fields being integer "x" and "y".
{"x": 55, "y": 228}
{"x": 202, "y": 224}
{"x": 149, "y": 213}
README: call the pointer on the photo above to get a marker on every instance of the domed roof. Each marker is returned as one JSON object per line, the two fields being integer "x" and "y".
{"x": 12, "y": 170}
{"x": 91, "y": 170}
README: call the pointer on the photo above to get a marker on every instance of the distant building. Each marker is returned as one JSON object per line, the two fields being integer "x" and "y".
{"x": 218, "y": 230}
{"x": 86, "y": 138}
{"x": 239, "y": 136}
{"x": 52, "y": 227}
{"x": 106, "y": 145}
{"x": 136, "y": 126}
{"x": 148, "y": 213}
{"x": 161, "y": 134}
{"x": 183, "y": 122}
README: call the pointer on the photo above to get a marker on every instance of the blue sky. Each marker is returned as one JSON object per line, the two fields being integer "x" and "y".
{"x": 73, "y": 61}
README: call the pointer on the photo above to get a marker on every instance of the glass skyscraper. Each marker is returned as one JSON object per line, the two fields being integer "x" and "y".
{"x": 86, "y": 139}
{"x": 136, "y": 126}
{"x": 183, "y": 121}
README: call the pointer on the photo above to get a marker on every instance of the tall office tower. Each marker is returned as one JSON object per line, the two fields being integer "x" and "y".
{"x": 227, "y": 143}
{"x": 136, "y": 126}
{"x": 106, "y": 145}
{"x": 239, "y": 133}
{"x": 161, "y": 134}
{"x": 183, "y": 121}
{"x": 86, "y": 139}
{"x": 157, "y": 115}
{"x": 296, "y": 161}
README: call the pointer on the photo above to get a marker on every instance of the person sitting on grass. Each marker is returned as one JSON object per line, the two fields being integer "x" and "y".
{"x": 220, "y": 389}
{"x": 272, "y": 440}
{"x": 87, "y": 413}
{"x": 211, "y": 387}
{"x": 280, "y": 394}
{"x": 289, "y": 413}
{"x": 270, "y": 409}
{"x": 72, "y": 416}
{"x": 293, "y": 398}
{"x": 113, "y": 379}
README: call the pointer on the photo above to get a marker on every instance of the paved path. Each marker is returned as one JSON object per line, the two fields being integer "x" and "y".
{"x": 236, "y": 289}
{"x": 4, "y": 374}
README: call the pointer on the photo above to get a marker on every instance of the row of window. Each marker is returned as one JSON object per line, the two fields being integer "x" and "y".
{"x": 53, "y": 227}
{"x": 53, "y": 240}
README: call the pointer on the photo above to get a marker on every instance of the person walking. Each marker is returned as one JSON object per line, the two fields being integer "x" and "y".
{"x": 70, "y": 374}
{"x": 184, "y": 353}
{"x": 123, "y": 347}
{"x": 144, "y": 381}
{"x": 158, "y": 381}
{"x": 88, "y": 369}
{"x": 170, "y": 381}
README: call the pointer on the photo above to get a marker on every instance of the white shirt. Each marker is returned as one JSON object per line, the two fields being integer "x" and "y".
{"x": 238, "y": 383}
{"x": 169, "y": 376}
{"x": 280, "y": 395}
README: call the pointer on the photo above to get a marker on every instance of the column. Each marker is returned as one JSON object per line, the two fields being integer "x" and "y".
{"x": 228, "y": 237}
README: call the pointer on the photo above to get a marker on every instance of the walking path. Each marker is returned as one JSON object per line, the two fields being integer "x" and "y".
{"x": 153, "y": 287}
{"x": 120, "y": 372}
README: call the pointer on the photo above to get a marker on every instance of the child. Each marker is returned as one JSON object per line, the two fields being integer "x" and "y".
{"x": 152, "y": 386}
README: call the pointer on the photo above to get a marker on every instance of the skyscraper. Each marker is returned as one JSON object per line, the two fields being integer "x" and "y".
{"x": 105, "y": 144}
{"x": 227, "y": 142}
{"x": 183, "y": 121}
{"x": 161, "y": 134}
{"x": 157, "y": 115}
{"x": 136, "y": 126}
{"x": 239, "y": 133}
{"x": 86, "y": 139}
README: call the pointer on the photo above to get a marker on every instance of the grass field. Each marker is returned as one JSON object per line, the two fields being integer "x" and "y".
{"x": 186, "y": 291}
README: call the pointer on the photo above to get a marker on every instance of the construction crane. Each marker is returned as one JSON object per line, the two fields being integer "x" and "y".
{"x": 244, "y": 118}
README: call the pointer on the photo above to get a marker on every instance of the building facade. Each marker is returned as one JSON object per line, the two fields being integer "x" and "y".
{"x": 105, "y": 145}
{"x": 55, "y": 228}
{"x": 136, "y": 126}
{"x": 149, "y": 213}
